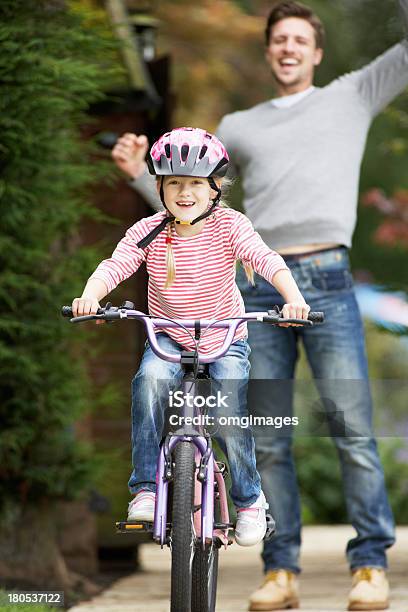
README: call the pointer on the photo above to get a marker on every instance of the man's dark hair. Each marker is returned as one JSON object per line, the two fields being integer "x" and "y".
{"x": 289, "y": 8}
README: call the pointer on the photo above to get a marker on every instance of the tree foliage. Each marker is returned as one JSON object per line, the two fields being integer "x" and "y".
{"x": 50, "y": 71}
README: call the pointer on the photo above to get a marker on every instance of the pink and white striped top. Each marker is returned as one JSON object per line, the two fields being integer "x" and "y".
{"x": 204, "y": 286}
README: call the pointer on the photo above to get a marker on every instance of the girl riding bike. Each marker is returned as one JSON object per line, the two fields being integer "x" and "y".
{"x": 190, "y": 250}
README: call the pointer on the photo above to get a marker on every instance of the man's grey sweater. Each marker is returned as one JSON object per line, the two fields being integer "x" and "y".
{"x": 300, "y": 165}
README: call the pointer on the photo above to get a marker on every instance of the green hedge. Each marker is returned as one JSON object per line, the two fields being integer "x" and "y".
{"x": 51, "y": 71}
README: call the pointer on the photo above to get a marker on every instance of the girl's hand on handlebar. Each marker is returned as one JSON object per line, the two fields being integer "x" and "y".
{"x": 85, "y": 306}
{"x": 294, "y": 310}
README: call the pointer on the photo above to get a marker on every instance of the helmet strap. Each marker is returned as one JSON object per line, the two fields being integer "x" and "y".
{"x": 159, "y": 228}
{"x": 215, "y": 201}
{"x": 161, "y": 193}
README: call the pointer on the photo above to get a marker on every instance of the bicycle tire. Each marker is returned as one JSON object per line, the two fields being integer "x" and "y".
{"x": 204, "y": 578}
{"x": 182, "y": 533}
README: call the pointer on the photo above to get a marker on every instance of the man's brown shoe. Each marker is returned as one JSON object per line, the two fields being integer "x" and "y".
{"x": 278, "y": 592}
{"x": 370, "y": 590}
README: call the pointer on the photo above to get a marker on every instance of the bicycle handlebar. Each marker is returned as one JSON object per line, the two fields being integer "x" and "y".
{"x": 112, "y": 313}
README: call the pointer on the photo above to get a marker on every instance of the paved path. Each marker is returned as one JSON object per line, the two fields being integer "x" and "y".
{"x": 324, "y": 581}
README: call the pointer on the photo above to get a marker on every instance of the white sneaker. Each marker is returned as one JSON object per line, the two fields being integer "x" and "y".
{"x": 141, "y": 508}
{"x": 251, "y": 523}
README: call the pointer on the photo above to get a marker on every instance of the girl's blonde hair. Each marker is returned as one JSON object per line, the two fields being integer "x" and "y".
{"x": 225, "y": 184}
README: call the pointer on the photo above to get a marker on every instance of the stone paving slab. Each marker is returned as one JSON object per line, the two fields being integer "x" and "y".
{"x": 324, "y": 582}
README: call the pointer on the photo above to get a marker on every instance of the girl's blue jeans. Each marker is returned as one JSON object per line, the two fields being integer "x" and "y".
{"x": 150, "y": 399}
{"x": 335, "y": 352}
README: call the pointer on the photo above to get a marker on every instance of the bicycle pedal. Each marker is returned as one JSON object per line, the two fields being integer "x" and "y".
{"x": 223, "y": 526}
{"x": 133, "y": 526}
{"x": 270, "y": 527}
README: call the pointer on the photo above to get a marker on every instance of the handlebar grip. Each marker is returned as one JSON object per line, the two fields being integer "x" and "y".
{"x": 66, "y": 311}
{"x": 275, "y": 317}
{"x": 316, "y": 317}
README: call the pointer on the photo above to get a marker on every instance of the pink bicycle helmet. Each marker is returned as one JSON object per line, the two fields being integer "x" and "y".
{"x": 188, "y": 151}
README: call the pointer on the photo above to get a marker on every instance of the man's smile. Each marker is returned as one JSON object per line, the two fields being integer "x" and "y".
{"x": 289, "y": 61}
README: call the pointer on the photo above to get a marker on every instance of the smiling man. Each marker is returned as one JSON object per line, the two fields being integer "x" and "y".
{"x": 299, "y": 158}
{"x": 294, "y": 47}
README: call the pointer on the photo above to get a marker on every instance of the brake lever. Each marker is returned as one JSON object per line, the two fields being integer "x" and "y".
{"x": 86, "y": 318}
{"x": 109, "y": 316}
{"x": 275, "y": 318}
{"x": 304, "y": 322}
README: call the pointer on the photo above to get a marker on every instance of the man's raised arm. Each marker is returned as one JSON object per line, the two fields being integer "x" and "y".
{"x": 387, "y": 76}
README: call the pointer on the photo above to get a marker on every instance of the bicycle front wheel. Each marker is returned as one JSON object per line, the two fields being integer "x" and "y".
{"x": 183, "y": 537}
{"x": 205, "y": 574}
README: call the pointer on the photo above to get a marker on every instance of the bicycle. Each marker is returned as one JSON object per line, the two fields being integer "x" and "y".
{"x": 191, "y": 509}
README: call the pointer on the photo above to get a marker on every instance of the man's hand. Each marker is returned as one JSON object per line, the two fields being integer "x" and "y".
{"x": 295, "y": 310}
{"x": 129, "y": 154}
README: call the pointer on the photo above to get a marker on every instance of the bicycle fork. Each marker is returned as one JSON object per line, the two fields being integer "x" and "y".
{"x": 204, "y": 491}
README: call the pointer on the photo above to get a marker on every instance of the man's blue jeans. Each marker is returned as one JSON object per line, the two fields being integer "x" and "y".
{"x": 335, "y": 351}
{"x": 150, "y": 398}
